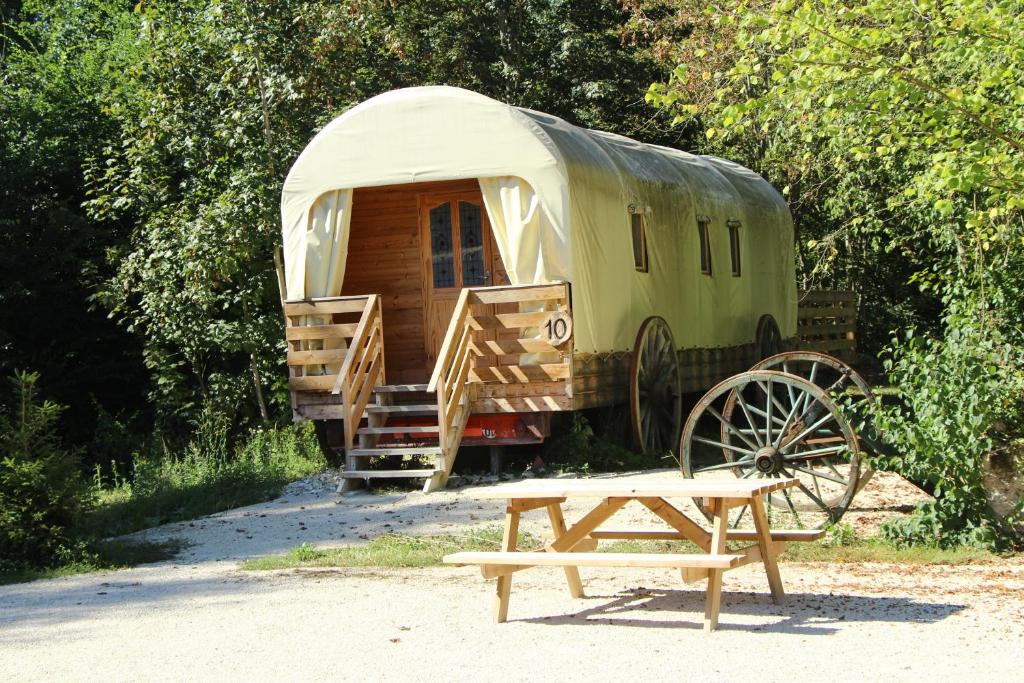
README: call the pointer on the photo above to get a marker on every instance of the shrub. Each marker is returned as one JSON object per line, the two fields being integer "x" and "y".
{"x": 580, "y": 449}
{"x": 42, "y": 493}
{"x": 959, "y": 405}
{"x": 211, "y": 475}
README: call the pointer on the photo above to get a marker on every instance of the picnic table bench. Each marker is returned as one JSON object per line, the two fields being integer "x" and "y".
{"x": 575, "y": 546}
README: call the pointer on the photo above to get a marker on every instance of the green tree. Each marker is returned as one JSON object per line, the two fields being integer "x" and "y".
{"x": 897, "y": 132}
{"x": 56, "y": 60}
{"x": 224, "y": 96}
{"x": 42, "y": 493}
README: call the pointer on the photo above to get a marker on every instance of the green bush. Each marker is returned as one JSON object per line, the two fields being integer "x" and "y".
{"x": 210, "y": 476}
{"x": 960, "y": 402}
{"x": 42, "y": 493}
{"x": 580, "y": 449}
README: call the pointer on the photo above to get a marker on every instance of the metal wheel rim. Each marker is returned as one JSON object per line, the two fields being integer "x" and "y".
{"x": 656, "y": 398}
{"x": 796, "y": 455}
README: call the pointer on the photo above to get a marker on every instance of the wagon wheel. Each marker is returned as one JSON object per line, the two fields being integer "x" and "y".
{"x": 836, "y": 378}
{"x": 785, "y": 426}
{"x": 655, "y": 389}
{"x": 829, "y": 373}
{"x": 769, "y": 338}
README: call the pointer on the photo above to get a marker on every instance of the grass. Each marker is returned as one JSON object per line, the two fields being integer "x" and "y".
{"x": 388, "y": 550}
{"x": 205, "y": 481}
{"x": 101, "y": 556}
{"x": 397, "y": 550}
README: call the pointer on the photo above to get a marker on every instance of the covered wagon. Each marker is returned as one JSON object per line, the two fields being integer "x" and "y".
{"x": 456, "y": 269}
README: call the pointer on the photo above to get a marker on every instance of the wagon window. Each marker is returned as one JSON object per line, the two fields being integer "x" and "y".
{"x": 734, "y": 246}
{"x": 442, "y": 254}
{"x": 705, "y": 245}
{"x": 636, "y": 221}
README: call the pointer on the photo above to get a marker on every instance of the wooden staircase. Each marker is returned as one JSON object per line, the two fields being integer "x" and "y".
{"x": 336, "y": 373}
{"x": 401, "y": 422}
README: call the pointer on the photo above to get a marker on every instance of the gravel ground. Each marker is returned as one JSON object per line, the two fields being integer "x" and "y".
{"x": 199, "y": 617}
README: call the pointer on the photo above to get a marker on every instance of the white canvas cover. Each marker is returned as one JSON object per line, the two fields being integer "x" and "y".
{"x": 559, "y": 200}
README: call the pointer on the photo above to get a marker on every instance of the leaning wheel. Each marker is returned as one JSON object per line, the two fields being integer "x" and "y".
{"x": 655, "y": 388}
{"x": 768, "y": 424}
{"x": 827, "y": 372}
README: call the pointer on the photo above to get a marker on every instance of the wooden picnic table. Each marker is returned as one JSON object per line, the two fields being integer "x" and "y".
{"x": 574, "y": 547}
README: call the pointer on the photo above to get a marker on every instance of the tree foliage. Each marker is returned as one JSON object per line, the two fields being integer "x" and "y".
{"x": 225, "y": 95}
{"x": 898, "y": 132}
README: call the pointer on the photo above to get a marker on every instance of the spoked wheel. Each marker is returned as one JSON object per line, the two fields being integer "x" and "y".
{"x": 655, "y": 388}
{"x": 827, "y": 372}
{"x": 767, "y": 424}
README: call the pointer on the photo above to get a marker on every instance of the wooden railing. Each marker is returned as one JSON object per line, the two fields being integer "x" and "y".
{"x": 363, "y": 368}
{"x": 827, "y": 322}
{"x": 335, "y": 346}
{"x": 492, "y": 352}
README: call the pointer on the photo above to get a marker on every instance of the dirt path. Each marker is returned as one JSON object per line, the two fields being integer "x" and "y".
{"x": 201, "y": 618}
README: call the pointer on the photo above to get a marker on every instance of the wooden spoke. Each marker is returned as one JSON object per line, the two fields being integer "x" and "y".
{"x": 773, "y": 424}
{"x": 656, "y": 397}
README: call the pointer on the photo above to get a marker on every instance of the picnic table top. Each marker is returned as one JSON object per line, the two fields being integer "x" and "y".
{"x": 632, "y": 488}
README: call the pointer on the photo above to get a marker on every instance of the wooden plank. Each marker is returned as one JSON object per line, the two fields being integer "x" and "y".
{"x": 508, "y": 321}
{"x": 312, "y": 383}
{"x": 826, "y": 312}
{"x": 784, "y": 535}
{"x": 531, "y": 404}
{"x": 322, "y": 357}
{"x": 517, "y": 374}
{"x": 408, "y": 429}
{"x": 510, "y": 347}
{"x": 326, "y": 306}
{"x": 518, "y": 293}
{"x": 572, "y": 574}
{"x": 571, "y": 559}
{"x": 826, "y": 328}
{"x": 386, "y": 474}
{"x": 508, "y": 544}
{"x": 398, "y": 450}
{"x": 828, "y": 345}
{"x": 634, "y": 488}
{"x": 778, "y": 535}
{"x": 680, "y": 522}
{"x": 299, "y": 332}
{"x": 820, "y": 295}
{"x": 764, "y": 543}
{"x": 720, "y": 528}
{"x": 532, "y": 389}
{"x": 321, "y": 412}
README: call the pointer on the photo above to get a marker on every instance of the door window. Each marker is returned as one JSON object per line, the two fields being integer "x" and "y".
{"x": 458, "y": 245}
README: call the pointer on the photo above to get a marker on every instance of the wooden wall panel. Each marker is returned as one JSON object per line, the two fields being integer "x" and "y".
{"x": 384, "y": 258}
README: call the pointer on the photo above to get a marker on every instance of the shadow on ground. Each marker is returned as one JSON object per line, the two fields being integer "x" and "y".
{"x": 800, "y": 613}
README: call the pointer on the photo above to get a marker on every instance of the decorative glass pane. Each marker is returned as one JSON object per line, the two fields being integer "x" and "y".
{"x": 441, "y": 247}
{"x": 471, "y": 233}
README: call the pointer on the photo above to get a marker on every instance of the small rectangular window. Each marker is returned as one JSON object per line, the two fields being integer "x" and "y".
{"x": 734, "y": 246}
{"x": 636, "y": 221}
{"x": 705, "y": 245}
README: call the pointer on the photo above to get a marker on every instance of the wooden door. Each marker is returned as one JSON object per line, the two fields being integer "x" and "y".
{"x": 458, "y": 251}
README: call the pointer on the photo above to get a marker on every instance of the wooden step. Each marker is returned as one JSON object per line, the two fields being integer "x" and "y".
{"x": 399, "y": 388}
{"x": 408, "y": 429}
{"x": 397, "y": 450}
{"x": 408, "y": 409}
{"x": 387, "y": 474}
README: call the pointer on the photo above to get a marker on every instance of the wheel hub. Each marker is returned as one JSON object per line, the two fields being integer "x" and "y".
{"x": 768, "y": 460}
